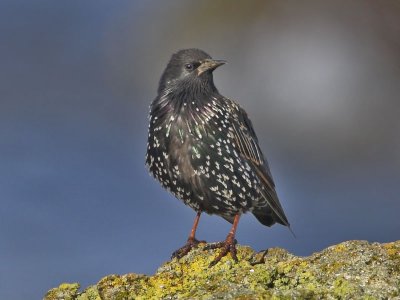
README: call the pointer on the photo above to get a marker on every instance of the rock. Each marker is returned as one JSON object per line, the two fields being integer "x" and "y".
{"x": 350, "y": 270}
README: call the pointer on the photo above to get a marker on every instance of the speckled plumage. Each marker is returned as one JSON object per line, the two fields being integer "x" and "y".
{"x": 202, "y": 146}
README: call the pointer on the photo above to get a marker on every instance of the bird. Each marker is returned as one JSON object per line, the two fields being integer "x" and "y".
{"x": 202, "y": 147}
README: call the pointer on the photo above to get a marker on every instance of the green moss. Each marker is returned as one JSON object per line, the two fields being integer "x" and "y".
{"x": 91, "y": 293}
{"x": 344, "y": 289}
{"x": 351, "y": 270}
{"x": 65, "y": 291}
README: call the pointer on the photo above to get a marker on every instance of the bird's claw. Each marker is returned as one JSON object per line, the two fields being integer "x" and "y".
{"x": 227, "y": 246}
{"x": 190, "y": 244}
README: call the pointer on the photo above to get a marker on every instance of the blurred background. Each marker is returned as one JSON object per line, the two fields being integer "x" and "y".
{"x": 320, "y": 81}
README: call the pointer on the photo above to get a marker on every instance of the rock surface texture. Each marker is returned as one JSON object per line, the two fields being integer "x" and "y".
{"x": 350, "y": 270}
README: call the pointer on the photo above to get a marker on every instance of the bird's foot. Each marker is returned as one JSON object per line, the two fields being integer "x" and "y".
{"x": 190, "y": 244}
{"x": 227, "y": 246}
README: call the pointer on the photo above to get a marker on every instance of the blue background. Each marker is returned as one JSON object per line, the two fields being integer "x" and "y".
{"x": 320, "y": 81}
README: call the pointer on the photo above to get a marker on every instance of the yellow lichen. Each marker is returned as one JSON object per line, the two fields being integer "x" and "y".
{"x": 340, "y": 248}
{"x": 276, "y": 274}
{"x": 391, "y": 249}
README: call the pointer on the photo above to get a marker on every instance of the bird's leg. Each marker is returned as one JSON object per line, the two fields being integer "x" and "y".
{"x": 191, "y": 243}
{"x": 228, "y": 246}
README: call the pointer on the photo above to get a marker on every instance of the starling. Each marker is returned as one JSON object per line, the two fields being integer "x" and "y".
{"x": 203, "y": 149}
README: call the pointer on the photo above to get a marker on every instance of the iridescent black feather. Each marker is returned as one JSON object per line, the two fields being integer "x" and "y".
{"x": 202, "y": 146}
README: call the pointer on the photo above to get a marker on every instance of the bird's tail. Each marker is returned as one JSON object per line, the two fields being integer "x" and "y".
{"x": 266, "y": 218}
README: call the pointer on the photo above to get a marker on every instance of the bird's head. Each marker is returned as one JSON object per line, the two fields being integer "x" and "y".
{"x": 189, "y": 67}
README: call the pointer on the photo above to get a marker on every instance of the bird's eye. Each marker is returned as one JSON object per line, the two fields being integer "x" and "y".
{"x": 189, "y": 67}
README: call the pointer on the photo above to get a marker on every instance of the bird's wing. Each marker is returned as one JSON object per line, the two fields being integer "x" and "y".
{"x": 246, "y": 141}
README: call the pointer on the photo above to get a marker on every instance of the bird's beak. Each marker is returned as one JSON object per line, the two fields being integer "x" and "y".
{"x": 209, "y": 64}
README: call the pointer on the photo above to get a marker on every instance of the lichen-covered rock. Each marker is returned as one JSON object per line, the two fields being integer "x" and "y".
{"x": 65, "y": 291}
{"x": 350, "y": 270}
